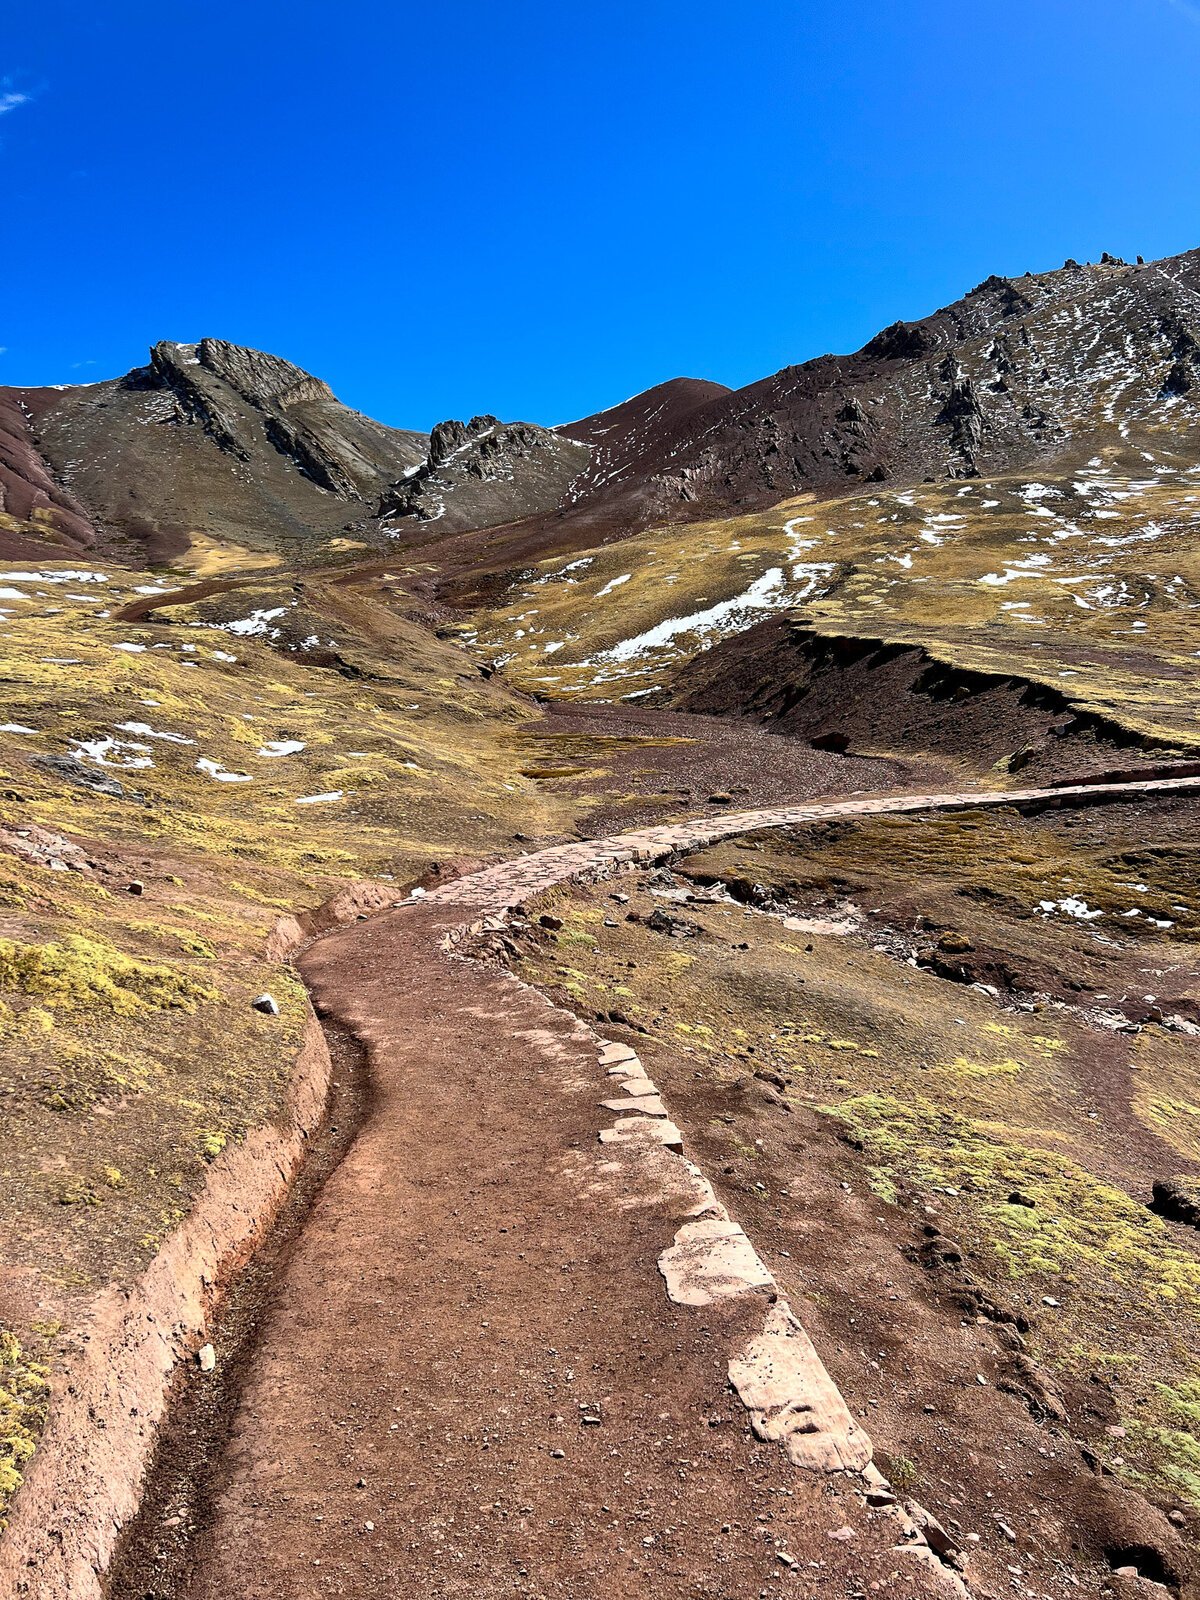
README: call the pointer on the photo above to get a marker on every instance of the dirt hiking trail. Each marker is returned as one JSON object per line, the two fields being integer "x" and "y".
{"x": 520, "y": 1348}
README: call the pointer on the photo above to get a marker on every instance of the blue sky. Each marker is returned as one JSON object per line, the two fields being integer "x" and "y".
{"x": 537, "y": 209}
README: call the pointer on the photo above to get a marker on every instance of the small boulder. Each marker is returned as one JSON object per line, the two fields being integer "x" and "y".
{"x": 941, "y": 1252}
{"x": 773, "y": 1078}
{"x": 267, "y": 1004}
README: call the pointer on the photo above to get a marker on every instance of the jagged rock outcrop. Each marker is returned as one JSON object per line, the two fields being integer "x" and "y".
{"x": 961, "y": 412}
{"x": 301, "y": 416}
{"x": 485, "y": 472}
{"x": 900, "y": 341}
{"x": 1184, "y": 374}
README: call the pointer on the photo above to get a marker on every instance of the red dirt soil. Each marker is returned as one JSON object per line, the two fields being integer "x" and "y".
{"x": 471, "y": 1285}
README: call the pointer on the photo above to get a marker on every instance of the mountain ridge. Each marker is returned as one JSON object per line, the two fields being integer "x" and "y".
{"x": 220, "y": 442}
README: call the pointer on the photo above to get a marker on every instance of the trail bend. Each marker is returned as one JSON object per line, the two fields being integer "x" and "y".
{"x": 498, "y": 1360}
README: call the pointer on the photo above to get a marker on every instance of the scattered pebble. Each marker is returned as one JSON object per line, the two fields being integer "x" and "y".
{"x": 206, "y": 1356}
{"x": 267, "y": 1004}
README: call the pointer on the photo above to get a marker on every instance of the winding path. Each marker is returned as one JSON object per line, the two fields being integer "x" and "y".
{"x": 497, "y": 888}
{"x": 498, "y": 1360}
{"x": 472, "y": 1381}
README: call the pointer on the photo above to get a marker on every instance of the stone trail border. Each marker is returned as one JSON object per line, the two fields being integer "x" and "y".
{"x": 84, "y": 1484}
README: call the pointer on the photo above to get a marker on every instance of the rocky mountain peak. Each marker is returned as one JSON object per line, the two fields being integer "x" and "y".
{"x": 486, "y": 471}
{"x": 259, "y": 377}
{"x": 447, "y": 437}
{"x": 303, "y": 418}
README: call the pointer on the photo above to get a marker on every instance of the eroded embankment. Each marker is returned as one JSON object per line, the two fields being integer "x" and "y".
{"x": 867, "y": 695}
{"x": 85, "y": 1483}
{"x": 154, "y": 1552}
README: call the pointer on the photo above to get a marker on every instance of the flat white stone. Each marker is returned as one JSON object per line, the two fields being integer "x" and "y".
{"x": 793, "y": 1401}
{"x": 638, "y": 1086}
{"x": 648, "y": 1130}
{"x": 711, "y": 1259}
{"x": 610, "y": 1054}
{"x": 646, "y": 1105}
{"x": 626, "y": 1069}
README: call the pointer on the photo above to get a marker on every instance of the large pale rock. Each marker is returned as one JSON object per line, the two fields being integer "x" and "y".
{"x": 611, "y": 1054}
{"x": 646, "y": 1105}
{"x": 793, "y": 1401}
{"x": 711, "y": 1259}
{"x": 647, "y": 1130}
{"x": 632, "y": 1085}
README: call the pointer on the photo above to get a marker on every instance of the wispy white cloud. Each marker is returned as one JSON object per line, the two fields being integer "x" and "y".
{"x": 10, "y": 101}
{"x": 1189, "y": 10}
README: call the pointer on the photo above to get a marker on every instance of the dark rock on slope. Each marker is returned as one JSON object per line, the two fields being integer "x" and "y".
{"x": 1177, "y": 1198}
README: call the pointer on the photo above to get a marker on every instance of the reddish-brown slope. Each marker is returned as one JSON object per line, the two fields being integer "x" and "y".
{"x": 28, "y": 493}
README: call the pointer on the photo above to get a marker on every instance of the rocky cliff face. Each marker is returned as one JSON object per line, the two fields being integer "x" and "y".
{"x": 483, "y": 473}
{"x": 299, "y": 415}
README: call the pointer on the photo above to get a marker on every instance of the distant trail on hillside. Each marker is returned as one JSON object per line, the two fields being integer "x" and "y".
{"x": 497, "y": 888}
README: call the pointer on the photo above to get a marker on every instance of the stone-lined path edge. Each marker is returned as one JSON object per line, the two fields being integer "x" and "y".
{"x": 84, "y": 1485}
